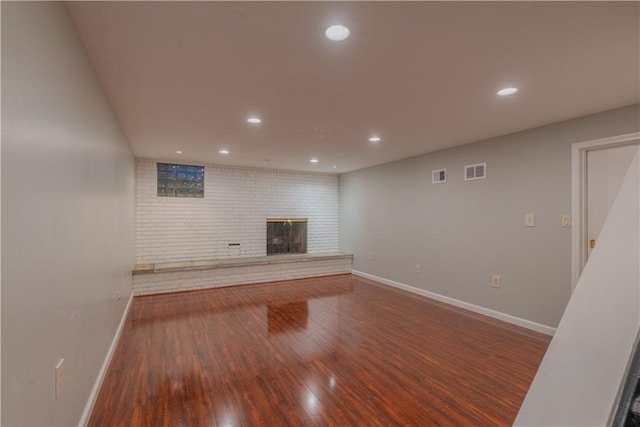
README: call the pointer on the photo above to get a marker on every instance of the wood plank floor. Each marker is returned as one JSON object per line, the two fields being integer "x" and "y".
{"x": 331, "y": 351}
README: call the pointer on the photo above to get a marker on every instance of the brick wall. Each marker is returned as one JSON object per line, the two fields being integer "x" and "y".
{"x": 236, "y": 204}
{"x": 203, "y": 279}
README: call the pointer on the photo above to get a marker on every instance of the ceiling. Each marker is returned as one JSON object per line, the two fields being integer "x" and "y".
{"x": 421, "y": 75}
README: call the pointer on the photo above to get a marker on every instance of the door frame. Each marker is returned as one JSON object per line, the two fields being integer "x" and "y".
{"x": 579, "y": 196}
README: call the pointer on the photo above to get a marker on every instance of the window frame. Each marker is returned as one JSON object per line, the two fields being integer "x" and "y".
{"x": 179, "y": 180}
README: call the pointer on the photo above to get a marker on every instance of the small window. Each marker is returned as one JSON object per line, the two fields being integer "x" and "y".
{"x": 438, "y": 176}
{"x": 478, "y": 171}
{"x": 180, "y": 180}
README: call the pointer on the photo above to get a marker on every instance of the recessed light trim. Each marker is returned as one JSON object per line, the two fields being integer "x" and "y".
{"x": 375, "y": 139}
{"x": 335, "y": 166}
{"x": 507, "y": 91}
{"x": 224, "y": 152}
{"x": 254, "y": 120}
{"x": 178, "y": 152}
{"x": 337, "y": 33}
{"x": 313, "y": 161}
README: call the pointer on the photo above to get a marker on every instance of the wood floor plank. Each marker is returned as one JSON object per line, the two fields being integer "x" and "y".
{"x": 331, "y": 351}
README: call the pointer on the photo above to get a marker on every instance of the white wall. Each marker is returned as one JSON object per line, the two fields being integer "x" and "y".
{"x": 235, "y": 207}
{"x": 464, "y": 232}
{"x": 582, "y": 372}
{"x": 67, "y": 217}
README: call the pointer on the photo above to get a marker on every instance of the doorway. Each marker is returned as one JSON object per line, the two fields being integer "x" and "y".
{"x": 598, "y": 168}
{"x": 606, "y": 168}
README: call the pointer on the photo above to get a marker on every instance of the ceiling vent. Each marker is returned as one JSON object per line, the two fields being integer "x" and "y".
{"x": 438, "y": 176}
{"x": 477, "y": 171}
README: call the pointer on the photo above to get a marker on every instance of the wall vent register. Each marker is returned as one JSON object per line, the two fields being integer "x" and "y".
{"x": 477, "y": 171}
{"x": 180, "y": 180}
{"x": 438, "y": 176}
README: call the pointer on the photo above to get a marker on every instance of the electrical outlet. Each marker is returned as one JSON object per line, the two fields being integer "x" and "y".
{"x": 59, "y": 379}
{"x": 566, "y": 220}
{"x": 118, "y": 297}
{"x": 495, "y": 281}
{"x": 418, "y": 268}
{"x": 370, "y": 256}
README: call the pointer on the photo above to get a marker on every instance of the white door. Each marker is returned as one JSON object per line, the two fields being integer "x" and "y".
{"x": 606, "y": 169}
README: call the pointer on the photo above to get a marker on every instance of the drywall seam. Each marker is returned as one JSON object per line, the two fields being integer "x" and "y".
{"x": 548, "y": 330}
{"x": 105, "y": 365}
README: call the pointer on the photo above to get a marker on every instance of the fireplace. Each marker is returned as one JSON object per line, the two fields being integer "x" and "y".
{"x": 286, "y": 236}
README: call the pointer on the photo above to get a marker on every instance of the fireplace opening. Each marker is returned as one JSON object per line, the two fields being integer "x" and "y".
{"x": 286, "y": 236}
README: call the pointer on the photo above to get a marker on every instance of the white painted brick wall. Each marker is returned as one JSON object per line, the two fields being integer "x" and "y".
{"x": 236, "y": 205}
{"x": 201, "y": 279}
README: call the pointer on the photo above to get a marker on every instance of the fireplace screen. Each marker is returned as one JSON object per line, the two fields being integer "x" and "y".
{"x": 286, "y": 236}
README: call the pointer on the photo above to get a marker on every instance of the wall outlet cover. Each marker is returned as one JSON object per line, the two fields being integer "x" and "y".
{"x": 495, "y": 281}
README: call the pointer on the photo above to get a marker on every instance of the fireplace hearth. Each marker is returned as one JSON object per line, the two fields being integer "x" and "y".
{"x": 286, "y": 236}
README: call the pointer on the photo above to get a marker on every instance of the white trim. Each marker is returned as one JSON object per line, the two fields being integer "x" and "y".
{"x": 578, "y": 196}
{"x": 538, "y": 327}
{"x": 105, "y": 365}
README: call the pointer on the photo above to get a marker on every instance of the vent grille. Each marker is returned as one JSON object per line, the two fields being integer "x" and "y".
{"x": 438, "y": 176}
{"x": 477, "y": 171}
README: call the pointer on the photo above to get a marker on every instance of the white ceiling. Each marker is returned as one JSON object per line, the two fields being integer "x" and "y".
{"x": 423, "y": 75}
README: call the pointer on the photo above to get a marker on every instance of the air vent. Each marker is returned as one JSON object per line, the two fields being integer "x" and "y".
{"x": 478, "y": 171}
{"x": 438, "y": 176}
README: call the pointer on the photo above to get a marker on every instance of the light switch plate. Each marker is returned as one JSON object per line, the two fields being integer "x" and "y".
{"x": 530, "y": 220}
{"x": 566, "y": 220}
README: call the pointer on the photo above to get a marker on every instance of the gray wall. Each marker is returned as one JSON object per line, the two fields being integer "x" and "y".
{"x": 579, "y": 379}
{"x": 67, "y": 217}
{"x": 464, "y": 232}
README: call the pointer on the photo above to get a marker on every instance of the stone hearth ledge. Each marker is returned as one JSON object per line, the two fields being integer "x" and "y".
{"x": 170, "y": 267}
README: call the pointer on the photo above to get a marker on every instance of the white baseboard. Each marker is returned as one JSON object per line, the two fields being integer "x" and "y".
{"x": 548, "y": 330}
{"x": 105, "y": 365}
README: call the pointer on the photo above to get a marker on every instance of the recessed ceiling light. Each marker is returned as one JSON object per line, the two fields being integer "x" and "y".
{"x": 223, "y": 151}
{"x": 375, "y": 139}
{"x": 337, "y": 33}
{"x": 178, "y": 152}
{"x": 254, "y": 120}
{"x": 507, "y": 91}
{"x": 335, "y": 166}
{"x": 314, "y": 160}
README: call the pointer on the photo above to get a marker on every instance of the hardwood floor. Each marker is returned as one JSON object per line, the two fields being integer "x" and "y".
{"x": 331, "y": 351}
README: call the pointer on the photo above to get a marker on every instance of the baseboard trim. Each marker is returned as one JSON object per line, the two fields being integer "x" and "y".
{"x": 105, "y": 365}
{"x": 538, "y": 327}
